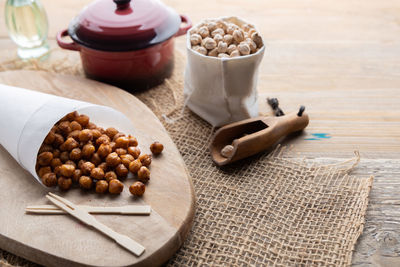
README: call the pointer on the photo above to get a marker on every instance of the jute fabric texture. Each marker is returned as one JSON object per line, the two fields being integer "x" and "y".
{"x": 268, "y": 210}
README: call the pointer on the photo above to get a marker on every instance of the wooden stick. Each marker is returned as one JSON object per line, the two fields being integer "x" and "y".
{"x": 125, "y": 210}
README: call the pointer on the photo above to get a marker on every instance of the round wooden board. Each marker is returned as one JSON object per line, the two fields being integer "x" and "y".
{"x": 60, "y": 240}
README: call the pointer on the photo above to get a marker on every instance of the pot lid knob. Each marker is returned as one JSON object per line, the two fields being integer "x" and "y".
{"x": 122, "y": 4}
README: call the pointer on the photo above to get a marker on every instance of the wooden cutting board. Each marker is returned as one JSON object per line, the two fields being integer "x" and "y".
{"x": 60, "y": 240}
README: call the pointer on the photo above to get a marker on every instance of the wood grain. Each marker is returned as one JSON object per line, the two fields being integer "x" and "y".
{"x": 62, "y": 240}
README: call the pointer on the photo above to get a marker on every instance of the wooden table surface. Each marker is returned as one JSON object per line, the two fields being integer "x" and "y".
{"x": 341, "y": 59}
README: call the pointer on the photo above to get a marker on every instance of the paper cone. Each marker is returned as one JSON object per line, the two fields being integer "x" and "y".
{"x": 222, "y": 90}
{"x": 26, "y": 117}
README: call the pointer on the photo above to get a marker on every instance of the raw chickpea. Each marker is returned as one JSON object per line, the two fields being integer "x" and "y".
{"x": 223, "y": 55}
{"x": 238, "y": 36}
{"x": 111, "y": 132}
{"x": 55, "y": 162}
{"x": 95, "y": 159}
{"x": 231, "y": 48}
{"x": 134, "y": 166}
{"x": 103, "y": 139}
{"x": 117, "y": 136}
{"x": 56, "y": 153}
{"x": 70, "y": 162}
{"x": 85, "y": 182}
{"x": 44, "y": 158}
{"x": 122, "y": 142}
{"x": 219, "y": 31}
{"x": 101, "y": 186}
{"x": 71, "y": 116}
{"x": 156, "y": 148}
{"x": 222, "y": 47}
{"x": 143, "y": 174}
{"x": 209, "y": 43}
{"x": 137, "y": 189}
{"x": 213, "y": 53}
{"x": 113, "y": 159}
{"x": 59, "y": 140}
{"x": 247, "y": 27}
{"x": 115, "y": 186}
{"x": 126, "y": 159}
{"x": 145, "y": 159}
{"x": 65, "y": 127}
{"x": 45, "y": 148}
{"x": 104, "y": 150}
{"x": 257, "y": 39}
{"x": 204, "y": 32}
{"x": 64, "y": 183}
{"x": 231, "y": 28}
{"x": 121, "y": 171}
{"x": 75, "y": 126}
{"x": 75, "y": 154}
{"x": 218, "y": 38}
{"x": 64, "y": 156}
{"x": 132, "y": 141}
{"x": 195, "y": 39}
{"x": 244, "y": 49}
{"x": 85, "y": 135}
{"x": 97, "y": 173}
{"x": 50, "y": 138}
{"x": 75, "y": 135}
{"x": 110, "y": 175}
{"x": 103, "y": 166}
{"x": 96, "y": 133}
{"x": 200, "y": 49}
{"x": 69, "y": 144}
{"x": 228, "y": 39}
{"x": 120, "y": 151}
{"x": 67, "y": 170}
{"x": 252, "y": 45}
{"x": 222, "y": 24}
{"x": 87, "y": 167}
{"x": 77, "y": 175}
{"x": 88, "y": 151}
{"x": 211, "y": 26}
{"x": 83, "y": 120}
{"x": 43, "y": 170}
{"x": 49, "y": 179}
{"x": 91, "y": 126}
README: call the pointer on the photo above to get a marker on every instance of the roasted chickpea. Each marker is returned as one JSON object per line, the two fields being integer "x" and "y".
{"x": 137, "y": 189}
{"x": 64, "y": 183}
{"x": 145, "y": 159}
{"x": 156, "y": 148}
{"x": 103, "y": 166}
{"x": 103, "y": 139}
{"x": 65, "y": 127}
{"x": 77, "y": 175}
{"x": 45, "y": 148}
{"x": 67, "y": 170}
{"x": 80, "y": 163}
{"x": 126, "y": 159}
{"x": 83, "y": 120}
{"x": 134, "y": 151}
{"x": 121, "y": 171}
{"x": 101, "y": 186}
{"x": 101, "y": 130}
{"x": 91, "y": 126}
{"x": 117, "y": 136}
{"x": 50, "y": 138}
{"x": 85, "y": 182}
{"x": 70, "y": 162}
{"x": 56, "y": 153}
{"x": 44, "y": 158}
{"x": 75, "y": 135}
{"x": 97, "y": 173}
{"x": 110, "y": 175}
{"x": 95, "y": 159}
{"x": 55, "y": 162}
{"x": 69, "y": 144}
{"x": 113, "y": 159}
{"x": 96, "y": 133}
{"x": 111, "y": 132}
{"x": 85, "y": 135}
{"x": 104, "y": 150}
{"x": 122, "y": 142}
{"x": 59, "y": 140}
{"x": 75, "y": 126}
{"x": 134, "y": 166}
{"x": 115, "y": 186}
{"x": 64, "y": 156}
{"x": 71, "y": 116}
{"x": 132, "y": 141}
{"x": 143, "y": 174}
{"x": 112, "y": 145}
{"x": 57, "y": 171}
{"x": 49, "y": 179}
{"x": 75, "y": 154}
{"x": 88, "y": 151}
{"x": 121, "y": 151}
{"x": 43, "y": 170}
{"x": 87, "y": 167}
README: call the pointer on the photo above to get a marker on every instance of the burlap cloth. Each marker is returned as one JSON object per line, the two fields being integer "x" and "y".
{"x": 268, "y": 210}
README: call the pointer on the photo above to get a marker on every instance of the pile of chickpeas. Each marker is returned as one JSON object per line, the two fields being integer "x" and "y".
{"x": 219, "y": 38}
{"x": 77, "y": 151}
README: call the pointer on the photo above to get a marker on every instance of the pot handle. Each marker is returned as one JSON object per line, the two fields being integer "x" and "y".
{"x": 70, "y": 46}
{"x": 184, "y": 28}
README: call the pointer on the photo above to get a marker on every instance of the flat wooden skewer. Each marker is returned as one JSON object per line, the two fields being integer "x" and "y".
{"x": 80, "y": 214}
{"x": 125, "y": 210}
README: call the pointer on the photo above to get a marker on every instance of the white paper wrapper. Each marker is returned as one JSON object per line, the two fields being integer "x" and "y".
{"x": 26, "y": 117}
{"x": 222, "y": 90}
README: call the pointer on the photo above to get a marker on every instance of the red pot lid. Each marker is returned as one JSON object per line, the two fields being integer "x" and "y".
{"x": 122, "y": 25}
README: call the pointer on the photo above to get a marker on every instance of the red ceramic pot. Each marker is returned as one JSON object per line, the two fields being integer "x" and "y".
{"x": 126, "y": 43}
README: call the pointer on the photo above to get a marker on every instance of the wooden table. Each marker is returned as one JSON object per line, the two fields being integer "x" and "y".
{"x": 341, "y": 59}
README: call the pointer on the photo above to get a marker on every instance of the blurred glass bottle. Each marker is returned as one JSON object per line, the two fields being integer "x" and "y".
{"x": 27, "y": 26}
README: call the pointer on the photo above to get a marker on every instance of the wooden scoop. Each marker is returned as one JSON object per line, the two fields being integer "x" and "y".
{"x": 251, "y": 136}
